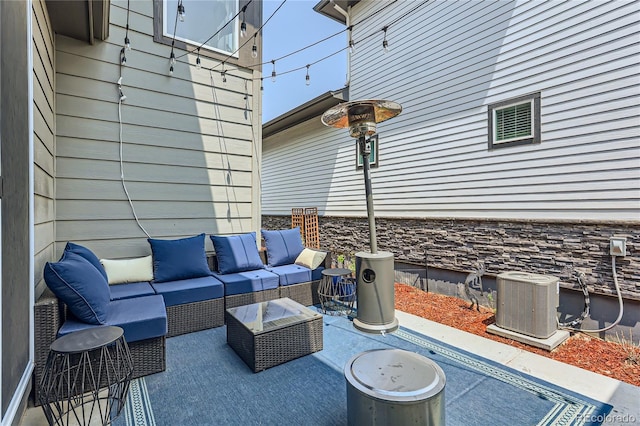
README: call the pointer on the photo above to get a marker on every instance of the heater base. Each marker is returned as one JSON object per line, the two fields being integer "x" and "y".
{"x": 376, "y": 328}
{"x": 375, "y": 293}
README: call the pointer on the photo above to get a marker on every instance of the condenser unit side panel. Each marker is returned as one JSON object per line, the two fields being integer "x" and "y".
{"x": 514, "y": 306}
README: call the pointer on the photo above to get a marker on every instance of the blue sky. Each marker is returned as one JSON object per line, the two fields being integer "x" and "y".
{"x": 293, "y": 27}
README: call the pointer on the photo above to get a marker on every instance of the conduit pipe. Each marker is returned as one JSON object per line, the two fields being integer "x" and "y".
{"x": 347, "y": 19}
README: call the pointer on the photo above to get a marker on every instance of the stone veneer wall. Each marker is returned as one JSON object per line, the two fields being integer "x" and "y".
{"x": 552, "y": 248}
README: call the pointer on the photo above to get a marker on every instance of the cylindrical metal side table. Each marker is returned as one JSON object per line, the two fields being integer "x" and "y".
{"x": 86, "y": 377}
{"x": 394, "y": 387}
{"x": 337, "y": 291}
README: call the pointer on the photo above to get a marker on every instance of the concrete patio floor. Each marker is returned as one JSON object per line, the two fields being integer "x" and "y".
{"x": 624, "y": 398}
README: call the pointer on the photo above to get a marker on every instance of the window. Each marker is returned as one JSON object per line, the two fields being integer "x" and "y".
{"x": 515, "y": 122}
{"x": 373, "y": 155}
{"x": 203, "y": 19}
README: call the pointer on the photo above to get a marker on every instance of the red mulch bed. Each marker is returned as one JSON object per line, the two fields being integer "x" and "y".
{"x": 621, "y": 362}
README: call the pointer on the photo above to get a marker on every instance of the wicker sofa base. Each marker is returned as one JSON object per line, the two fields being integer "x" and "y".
{"x": 148, "y": 355}
{"x": 234, "y": 300}
{"x": 305, "y": 294}
{"x": 276, "y": 347}
{"x": 196, "y": 316}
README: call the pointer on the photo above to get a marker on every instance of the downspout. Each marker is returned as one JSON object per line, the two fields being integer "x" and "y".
{"x": 348, "y": 22}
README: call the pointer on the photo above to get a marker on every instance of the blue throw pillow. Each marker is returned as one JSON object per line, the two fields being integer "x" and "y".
{"x": 283, "y": 247}
{"x": 80, "y": 286}
{"x": 237, "y": 253}
{"x": 179, "y": 259}
{"x": 87, "y": 254}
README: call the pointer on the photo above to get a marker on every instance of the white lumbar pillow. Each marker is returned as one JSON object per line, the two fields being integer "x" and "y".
{"x": 310, "y": 258}
{"x": 128, "y": 270}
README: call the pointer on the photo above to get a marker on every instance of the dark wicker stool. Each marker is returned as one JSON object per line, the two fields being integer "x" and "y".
{"x": 86, "y": 377}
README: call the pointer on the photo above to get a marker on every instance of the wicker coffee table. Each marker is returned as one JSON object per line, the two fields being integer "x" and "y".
{"x": 270, "y": 333}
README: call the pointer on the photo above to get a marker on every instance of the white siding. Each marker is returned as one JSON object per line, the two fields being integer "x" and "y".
{"x": 447, "y": 62}
{"x": 310, "y": 165}
{"x": 189, "y": 153}
{"x": 43, "y": 137}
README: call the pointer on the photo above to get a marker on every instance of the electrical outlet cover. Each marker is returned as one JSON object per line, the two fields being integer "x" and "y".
{"x": 618, "y": 246}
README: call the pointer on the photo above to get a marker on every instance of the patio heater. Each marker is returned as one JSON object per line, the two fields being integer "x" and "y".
{"x": 374, "y": 269}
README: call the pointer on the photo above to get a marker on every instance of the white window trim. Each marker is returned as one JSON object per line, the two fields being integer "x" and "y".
{"x": 373, "y": 140}
{"x": 533, "y": 138}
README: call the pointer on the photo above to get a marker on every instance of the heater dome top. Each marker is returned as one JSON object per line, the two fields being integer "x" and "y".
{"x": 363, "y": 112}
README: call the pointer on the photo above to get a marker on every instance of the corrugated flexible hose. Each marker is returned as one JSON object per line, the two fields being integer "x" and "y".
{"x": 585, "y": 313}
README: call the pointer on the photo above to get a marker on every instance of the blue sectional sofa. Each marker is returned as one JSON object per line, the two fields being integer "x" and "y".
{"x": 299, "y": 269}
{"x": 285, "y": 268}
{"x": 181, "y": 274}
{"x": 169, "y": 293}
{"x": 175, "y": 290}
{"x": 237, "y": 263}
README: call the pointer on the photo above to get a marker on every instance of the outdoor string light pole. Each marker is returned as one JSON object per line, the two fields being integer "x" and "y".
{"x": 374, "y": 270}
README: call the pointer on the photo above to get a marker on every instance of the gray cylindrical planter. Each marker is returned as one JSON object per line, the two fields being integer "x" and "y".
{"x": 394, "y": 387}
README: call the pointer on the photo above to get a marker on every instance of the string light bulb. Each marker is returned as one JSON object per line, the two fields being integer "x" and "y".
{"x": 198, "y": 62}
{"x": 123, "y": 58}
{"x": 273, "y": 72}
{"x": 243, "y": 25}
{"x": 172, "y": 58}
{"x": 181, "y": 11}
{"x": 352, "y": 46}
{"x": 385, "y": 43}
{"x": 307, "y": 78}
{"x": 127, "y": 42}
{"x": 223, "y": 73}
{"x": 254, "y": 49}
{"x": 171, "y": 70}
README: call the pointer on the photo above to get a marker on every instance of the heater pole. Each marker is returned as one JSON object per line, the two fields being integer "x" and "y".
{"x": 365, "y": 150}
{"x": 374, "y": 270}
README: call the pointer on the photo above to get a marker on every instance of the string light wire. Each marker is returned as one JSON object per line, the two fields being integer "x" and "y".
{"x": 349, "y": 28}
{"x": 256, "y": 33}
{"x": 172, "y": 56}
{"x": 122, "y": 97}
{"x": 303, "y": 67}
{"x": 309, "y": 46}
{"x": 387, "y": 26}
{"x": 232, "y": 19}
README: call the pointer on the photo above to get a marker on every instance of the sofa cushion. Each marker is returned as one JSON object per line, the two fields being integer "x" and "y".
{"x": 129, "y": 290}
{"x": 310, "y": 258}
{"x": 180, "y": 259}
{"x": 188, "y": 291}
{"x": 128, "y": 270}
{"x": 141, "y": 318}
{"x": 87, "y": 254}
{"x": 80, "y": 286}
{"x": 292, "y": 274}
{"x": 316, "y": 274}
{"x": 248, "y": 281}
{"x": 236, "y": 253}
{"x": 283, "y": 247}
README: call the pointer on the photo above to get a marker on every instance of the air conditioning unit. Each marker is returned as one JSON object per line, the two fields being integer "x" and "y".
{"x": 527, "y": 303}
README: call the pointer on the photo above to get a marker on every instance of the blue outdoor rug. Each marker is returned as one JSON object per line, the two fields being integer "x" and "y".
{"x": 206, "y": 383}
